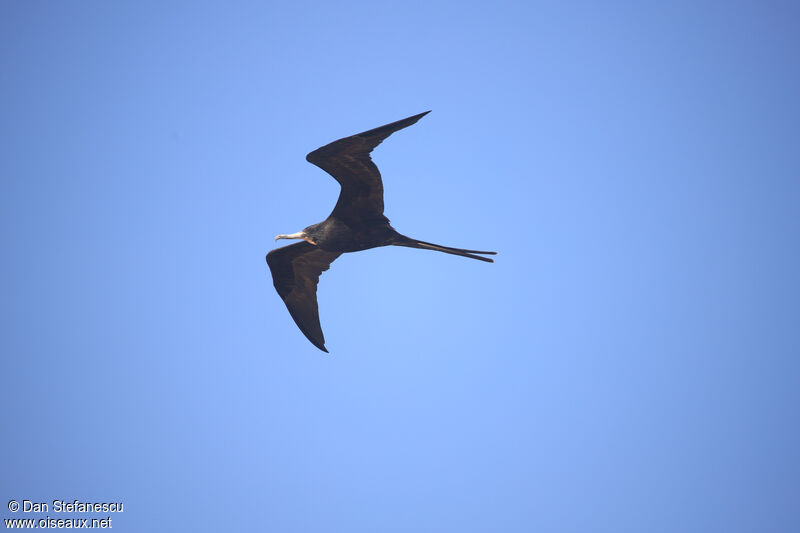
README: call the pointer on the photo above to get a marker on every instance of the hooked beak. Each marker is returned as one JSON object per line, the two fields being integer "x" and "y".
{"x": 298, "y": 235}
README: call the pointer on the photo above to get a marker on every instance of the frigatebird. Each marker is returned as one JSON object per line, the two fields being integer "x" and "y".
{"x": 356, "y": 223}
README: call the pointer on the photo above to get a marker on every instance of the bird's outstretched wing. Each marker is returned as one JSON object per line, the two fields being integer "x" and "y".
{"x": 348, "y": 161}
{"x": 295, "y": 273}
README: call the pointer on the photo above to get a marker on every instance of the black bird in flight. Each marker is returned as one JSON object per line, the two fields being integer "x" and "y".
{"x": 356, "y": 223}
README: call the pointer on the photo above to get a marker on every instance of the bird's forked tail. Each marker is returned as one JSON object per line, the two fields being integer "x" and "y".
{"x": 402, "y": 240}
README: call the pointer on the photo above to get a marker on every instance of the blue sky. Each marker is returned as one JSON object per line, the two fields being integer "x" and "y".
{"x": 629, "y": 363}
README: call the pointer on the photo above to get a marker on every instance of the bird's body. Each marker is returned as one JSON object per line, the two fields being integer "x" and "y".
{"x": 356, "y": 223}
{"x": 335, "y": 235}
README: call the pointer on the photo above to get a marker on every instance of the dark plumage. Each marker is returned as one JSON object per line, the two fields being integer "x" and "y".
{"x": 356, "y": 223}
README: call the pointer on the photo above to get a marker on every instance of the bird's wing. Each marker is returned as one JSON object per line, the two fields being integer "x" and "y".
{"x": 348, "y": 161}
{"x": 295, "y": 273}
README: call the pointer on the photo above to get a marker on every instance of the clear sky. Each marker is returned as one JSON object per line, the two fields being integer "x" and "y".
{"x": 629, "y": 363}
